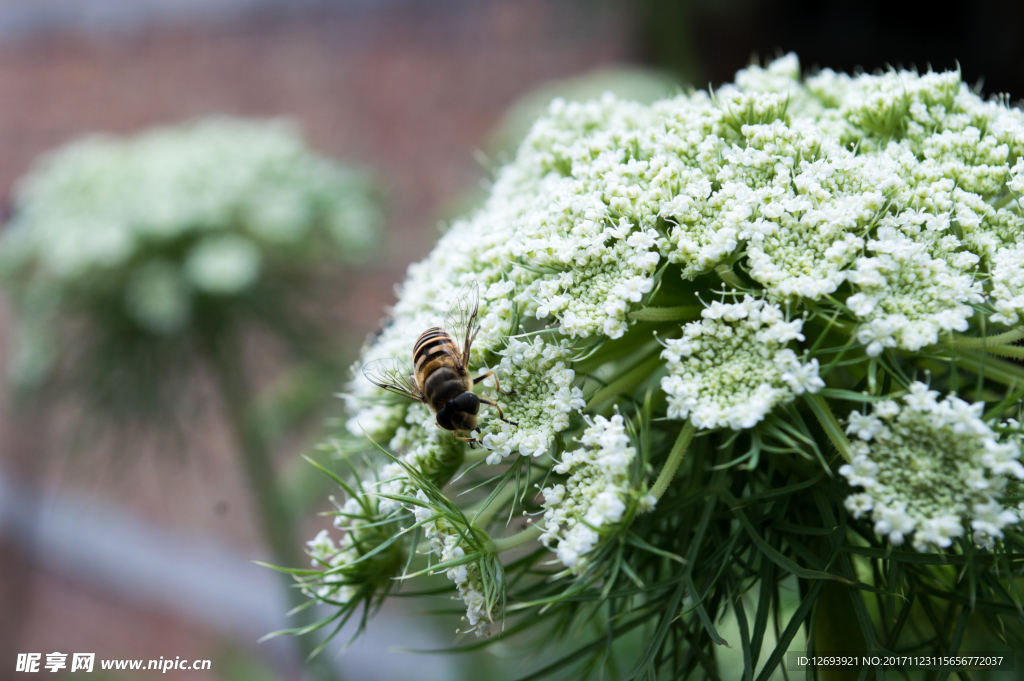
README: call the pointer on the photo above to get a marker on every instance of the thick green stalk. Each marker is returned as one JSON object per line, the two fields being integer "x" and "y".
{"x": 629, "y": 380}
{"x": 1011, "y": 351}
{"x": 475, "y": 455}
{"x": 837, "y": 630}
{"x": 830, "y": 425}
{"x": 254, "y": 451}
{"x": 502, "y": 544}
{"x": 726, "y": 274}
{"x": 668, "y": 471}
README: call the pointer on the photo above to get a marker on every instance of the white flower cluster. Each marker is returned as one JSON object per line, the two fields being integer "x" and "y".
{"x": 907, "y": 297}
{"x": 887, "y": 182}
{"x": 929, "y": 466}
{"x": 595, "y": 229}
{"x": 446, "y": 542}
{"x": 596, "y": 494}
{"x": 733, "y": 367}
{"x": 1008, "y": 284}
{"x": 326, "y": 556}
{"x": 202, "y": 208}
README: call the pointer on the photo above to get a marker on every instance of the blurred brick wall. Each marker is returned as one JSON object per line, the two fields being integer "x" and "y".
{"x": 407, "y": 89}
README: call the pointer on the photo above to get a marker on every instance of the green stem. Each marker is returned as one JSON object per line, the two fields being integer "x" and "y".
{"x": 830, "y": 425}
{"x": 1004, "y": 200}
{"x": 991, "y": 342}
{"x": 484, "y": 514}
{"x": 667, "y": 314}
{"x": 837, "y": 629}
{"x": 502, "y": 544}
{"x": 726, "y": 274}
{"x": 629, "y": 380}
{"x": 475, "y": 455}
{"x": 254, "y": 451}
{"x": 668, "y": 471}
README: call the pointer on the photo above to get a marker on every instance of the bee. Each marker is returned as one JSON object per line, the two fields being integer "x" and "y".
{"x": 441, "y": 379}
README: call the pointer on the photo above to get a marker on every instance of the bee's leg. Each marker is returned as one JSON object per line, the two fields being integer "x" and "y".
{"x": 501, "y": 414}
{"x": 496, "y": 384}
{"x": 473, "y": 442}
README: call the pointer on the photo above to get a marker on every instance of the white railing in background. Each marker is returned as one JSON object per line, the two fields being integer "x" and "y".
{"x": 196, "y": 578}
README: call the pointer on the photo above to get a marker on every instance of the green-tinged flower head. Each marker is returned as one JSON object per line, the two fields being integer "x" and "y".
{"x": 464, "y": 553}
{"x": 733, "y": 367}
{"x": 365, "y": 561}
{"x": 545, "y": 398}
{"x": 931, "y": 469}
{"x": 373, "y": 514}
{"x": 378, "y": 520}
{"x": 429, "y": 451}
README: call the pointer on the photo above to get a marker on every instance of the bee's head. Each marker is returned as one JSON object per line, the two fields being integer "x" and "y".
{"x": 459, "y": 413}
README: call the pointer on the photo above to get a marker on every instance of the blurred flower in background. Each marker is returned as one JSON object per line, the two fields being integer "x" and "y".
{"x": 173, "y": 234}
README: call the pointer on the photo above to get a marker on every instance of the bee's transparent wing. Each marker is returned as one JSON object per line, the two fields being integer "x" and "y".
{"x": 395, "y": 375}
{"x": 460, "y": 322}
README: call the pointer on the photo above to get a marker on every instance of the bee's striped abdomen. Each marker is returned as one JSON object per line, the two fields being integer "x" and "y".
{"x": 433, "y": 345}
{"x": 439, "y": 372}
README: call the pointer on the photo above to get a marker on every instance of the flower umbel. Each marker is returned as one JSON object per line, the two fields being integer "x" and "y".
{"x": 733, "y": 367}
{"x": 931, "y": 470}
{"x": 859, "y": 242}
{"x": 597, "y": 494}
